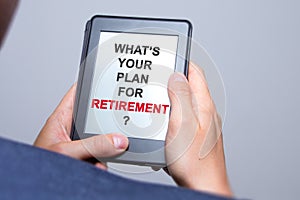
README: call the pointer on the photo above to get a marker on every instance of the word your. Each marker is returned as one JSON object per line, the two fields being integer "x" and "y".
{"x": 139, "y": 64}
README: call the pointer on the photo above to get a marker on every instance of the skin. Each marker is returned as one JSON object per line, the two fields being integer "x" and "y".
{"x": 55, "y": 136}
{"x": 190, "y": 122}
{"x": 187, "y": 169}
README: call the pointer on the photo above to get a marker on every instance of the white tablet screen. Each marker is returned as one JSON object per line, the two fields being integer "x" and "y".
{"x": 129, "y": 87}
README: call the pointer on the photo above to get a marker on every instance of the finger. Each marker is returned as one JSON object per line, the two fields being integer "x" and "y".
{"x": 97, "y": 163}
{"x": 205, "y": 110}
{"x": 199, "y": 88}
{"x": 100, "y": 165}
{"x": 68, "y": 100}
{"x": 100, "y": 146}
{"x": 64, "y": 111}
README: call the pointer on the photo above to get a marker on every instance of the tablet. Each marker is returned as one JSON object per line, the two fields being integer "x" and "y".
{"x": 122, "y": 84}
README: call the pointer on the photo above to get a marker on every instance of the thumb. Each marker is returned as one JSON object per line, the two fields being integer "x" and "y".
{"x": 182, "y": 123}
{"x": 100, "y": 146}
{"x": 181, "y": 102}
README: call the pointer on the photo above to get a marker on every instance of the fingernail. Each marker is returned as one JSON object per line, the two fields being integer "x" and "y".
{"x": 120, "y": 142}
{"x": 178, "y": 77}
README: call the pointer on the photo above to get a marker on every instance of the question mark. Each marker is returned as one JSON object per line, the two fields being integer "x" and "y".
{"x": 126, "y": 119}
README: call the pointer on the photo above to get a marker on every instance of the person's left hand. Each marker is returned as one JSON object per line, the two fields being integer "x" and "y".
{"x": 55, "y": 136}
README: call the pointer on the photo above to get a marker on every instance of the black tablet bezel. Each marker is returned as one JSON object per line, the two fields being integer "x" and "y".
{"x": 94, "y": 27}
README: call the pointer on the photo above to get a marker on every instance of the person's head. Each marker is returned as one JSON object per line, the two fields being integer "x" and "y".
{"x": 7, "y": 10}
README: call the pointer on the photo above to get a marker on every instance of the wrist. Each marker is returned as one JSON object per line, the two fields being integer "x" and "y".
{"x": 222, "y": 189}
{"x": 219, "y": 186}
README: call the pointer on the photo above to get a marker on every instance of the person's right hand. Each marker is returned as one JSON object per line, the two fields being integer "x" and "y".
{"x": 193, "y": 116}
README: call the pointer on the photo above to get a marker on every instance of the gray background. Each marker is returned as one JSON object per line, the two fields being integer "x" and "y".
{"x": 254, "y": 43}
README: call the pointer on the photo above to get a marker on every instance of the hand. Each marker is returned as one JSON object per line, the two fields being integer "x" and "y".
{"x": 55, "y": 136}
{"x": 193, "y": 118}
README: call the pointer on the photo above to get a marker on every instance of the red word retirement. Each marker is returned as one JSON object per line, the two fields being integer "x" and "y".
{"x": 105, "y": 104}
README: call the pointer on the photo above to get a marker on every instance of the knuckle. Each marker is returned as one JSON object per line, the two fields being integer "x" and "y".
{"x": 102, "y": 146}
